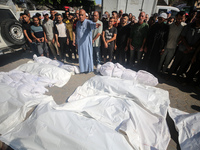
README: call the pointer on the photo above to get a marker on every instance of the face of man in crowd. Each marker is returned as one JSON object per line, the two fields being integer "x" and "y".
{"x": 52, "y": 12}
{"x": 114, "y": 15}
{"x": 111, "y": 22}
{"x": 147, "y": 17}
{"x": 25, "y": 18}
{"x": 67, "y": 14}
{"x": 130, "y": 15}
{"x": 82, "y": 15}
{"x": 120, "y": 13}
{"x": 124, "y": 20}
{"x": 141, "y": 17}
{"x": 46, "y": 17}
{"x": 77, "y": 14}
{"x": 36, "y": 21}
{"x": 70, "y": 17}
{"x": 170, "y": 20}
{"x": 95, "y": 16}
{"x": 160, "y": 20}
{"x": 59, "y": 18}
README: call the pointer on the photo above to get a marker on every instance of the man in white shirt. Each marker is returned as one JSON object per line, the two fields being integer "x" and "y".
{"x": 62, "y": 36}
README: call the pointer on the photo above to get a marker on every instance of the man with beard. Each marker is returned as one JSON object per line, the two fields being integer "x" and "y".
{"x": 62, "y": 36}
{"x": 123, "y": 32}
{"x": 137, "y": 39}
{"x": 84, "y": 29}
{"x": 156, "y": 41}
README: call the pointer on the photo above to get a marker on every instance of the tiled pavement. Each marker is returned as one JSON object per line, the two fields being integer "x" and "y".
{"x": 185, "y": 98}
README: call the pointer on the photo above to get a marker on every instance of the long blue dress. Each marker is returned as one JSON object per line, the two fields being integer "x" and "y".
{"x": 84, "y": 42}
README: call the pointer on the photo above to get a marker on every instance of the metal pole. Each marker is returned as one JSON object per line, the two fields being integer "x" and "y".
{"x": 126, "y": 5}
{"x": 142, "y": 5}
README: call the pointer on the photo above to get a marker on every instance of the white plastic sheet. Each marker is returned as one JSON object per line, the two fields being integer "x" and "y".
{"x": 188, "y": 127}
{"x": 44, "y": 60}
{"x": 118, "y": 71}
{"x": 59, "y": 75}
{"x": 98, "y": 116}
{"x": 14, "y": 106}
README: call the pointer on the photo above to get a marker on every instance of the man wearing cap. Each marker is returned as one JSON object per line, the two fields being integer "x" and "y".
{"x": 84, "y": 29}
{"x": 175, "y": 30}
{"x": 156, "y": 41}
{"x": 48, "y": 26}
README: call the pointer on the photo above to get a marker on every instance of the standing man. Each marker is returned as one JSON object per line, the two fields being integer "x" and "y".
{"x": 39, "y": 37}
{"x": 96, "y": 34}
{"x": 26, "y": 26}
{"x": 48, "y": 26}
{"x": 109, "y": 37}
{"x": 123, "y": 32}
{"x": 138, "y": 38}
{"x": 84, "y": 29}
{"x": 175, "y": 30}
{"x": 156, "y": 42}
{"x": 62, "y": 36}
{"x": 52, "y": 12}
{"x": 115, "y": 17}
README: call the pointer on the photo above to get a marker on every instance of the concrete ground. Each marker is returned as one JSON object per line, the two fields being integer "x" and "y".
{"x": 185, "y": 98}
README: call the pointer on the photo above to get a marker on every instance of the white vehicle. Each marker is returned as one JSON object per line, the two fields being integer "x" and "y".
{"x": 11, "y": 32}
{"x": 173, "y": 10}
{"x": 33, "y": 12}
{"x": 136, "y": 6}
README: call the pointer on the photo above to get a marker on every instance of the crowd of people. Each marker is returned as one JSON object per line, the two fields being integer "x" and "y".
{"x": 161, "y": 44}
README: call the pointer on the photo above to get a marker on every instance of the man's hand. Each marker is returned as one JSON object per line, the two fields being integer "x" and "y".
{"x": 42, "y": 39}
{"x": 67, "y": 41}
{"x": 30, "y": 41}
{"x": 145, "y": 49}
{"x": 92, "y": 41}
{"x": 98, "y": 25}
{"x": 131, "y": 47}
{"x": 115, "y": 47}
{"x": 74, "y": 44}
{"x": 106, "y": 45}
{"x": 53, "y": 41}
{"x": 38, "y": 40}
{"x": 141, "y": 49}
{"x": 46, "y": 40}
{"x": 58, "y": 44}
{"x": 162, "y": 51}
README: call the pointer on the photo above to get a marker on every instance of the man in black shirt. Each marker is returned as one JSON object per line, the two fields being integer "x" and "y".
{"x": 26, "y": 25}
{"x": 123, "y": 32}
{"x": 109, "y": 36}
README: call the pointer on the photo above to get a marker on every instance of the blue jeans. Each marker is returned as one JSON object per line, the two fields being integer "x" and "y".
{"x": 96, "y": 55}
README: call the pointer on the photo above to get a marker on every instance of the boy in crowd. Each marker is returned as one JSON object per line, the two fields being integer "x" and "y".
{"x": 109, "y": 36}
{"x": 39, "y": 37}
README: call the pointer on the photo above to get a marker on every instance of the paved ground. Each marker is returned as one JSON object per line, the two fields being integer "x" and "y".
{"x": 185, "y": 98}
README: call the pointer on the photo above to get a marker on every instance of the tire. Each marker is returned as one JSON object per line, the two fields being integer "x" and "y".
{"x": 12, "y": 31}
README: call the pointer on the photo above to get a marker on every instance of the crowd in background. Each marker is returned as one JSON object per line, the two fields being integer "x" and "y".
{"x": 161, "y": 44}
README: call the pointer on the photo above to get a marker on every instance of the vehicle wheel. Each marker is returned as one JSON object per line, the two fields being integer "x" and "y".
{"x": 12, "y": 31}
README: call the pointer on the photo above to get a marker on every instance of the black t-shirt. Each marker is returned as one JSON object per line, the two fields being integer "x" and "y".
{"x": 27, "y": 27}
{"x": 123, "y": 32}
{"x": 109, "y": 33}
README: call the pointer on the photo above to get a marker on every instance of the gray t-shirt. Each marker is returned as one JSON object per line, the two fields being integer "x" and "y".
{"x": 97, "y": 42}
{"x": 48, "y": 26}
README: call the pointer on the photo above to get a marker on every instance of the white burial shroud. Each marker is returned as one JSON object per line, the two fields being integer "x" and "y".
{"x": 104, "y": 114}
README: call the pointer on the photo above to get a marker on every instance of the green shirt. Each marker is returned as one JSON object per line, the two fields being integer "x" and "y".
{"x": 138, "y": 34}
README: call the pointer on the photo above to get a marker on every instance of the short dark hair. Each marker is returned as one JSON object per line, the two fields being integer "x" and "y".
{"x": 21, "y": 14}
{"x": 51, "y": 9}
{"x": 57, "y": 14}
{"x": 35, "y": 17}
{"x": 114, "y": 12}
{"x": 111, "y": 18}
{"x": 125, "y": 15}
{"x": 24, "y": 14}
{"x": 181, "y": 13}
{"x": 38, "y": 14}
{"x": 26, "y": 11}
